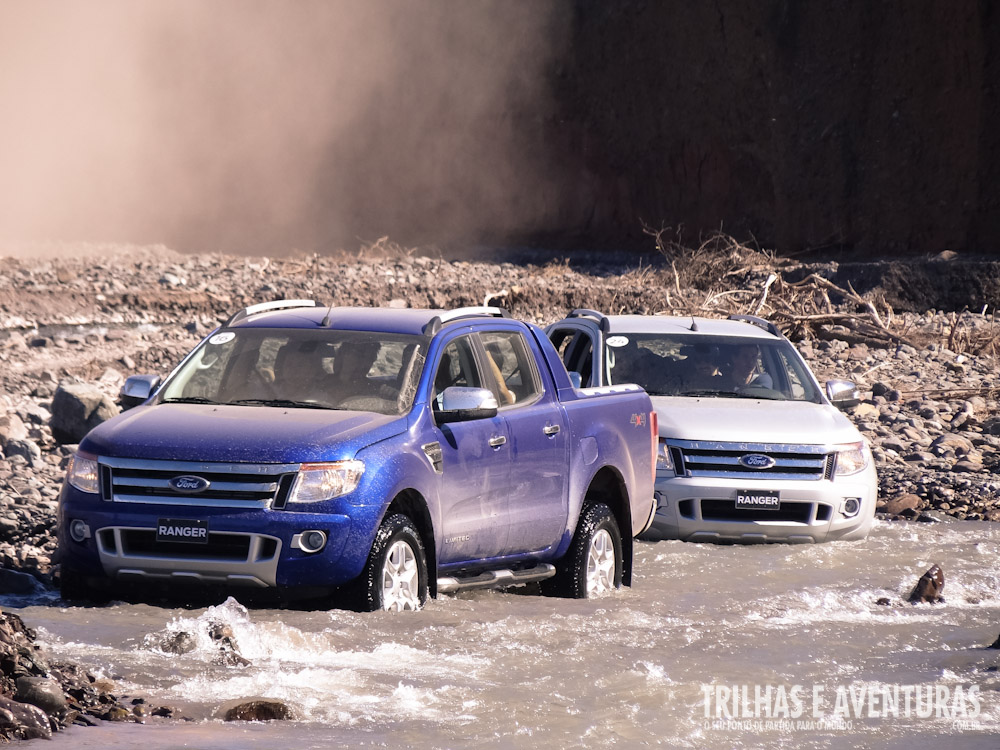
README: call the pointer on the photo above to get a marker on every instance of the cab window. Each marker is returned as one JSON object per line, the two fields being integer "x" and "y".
{"x": 576, "y": 351}
{"x": 512, "y": 367}
{"x": 456, "y": 367}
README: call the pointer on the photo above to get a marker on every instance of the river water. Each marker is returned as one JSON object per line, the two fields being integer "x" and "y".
{"x": 793, "y": 632}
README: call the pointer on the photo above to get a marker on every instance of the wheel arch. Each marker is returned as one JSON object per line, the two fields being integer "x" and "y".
{"x": 608, "y": 487}
{"x": 412, "y": 504}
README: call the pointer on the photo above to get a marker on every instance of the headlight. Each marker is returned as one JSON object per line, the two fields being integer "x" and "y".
{"x": 852, "y": 458}
{"x": 318, "y": 482}
{"x": 664, "y": 460}
{"x": 82, "y": 473}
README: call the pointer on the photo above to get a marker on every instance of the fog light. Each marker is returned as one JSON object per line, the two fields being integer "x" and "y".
{"x": 851, "y": 506}
{"x": 78, "y": 530}
{"x": 310, "y": 541}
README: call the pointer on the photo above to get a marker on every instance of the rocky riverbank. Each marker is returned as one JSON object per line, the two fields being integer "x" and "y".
{"x": 75, "y": 322}
{"x": 69, "y": 325}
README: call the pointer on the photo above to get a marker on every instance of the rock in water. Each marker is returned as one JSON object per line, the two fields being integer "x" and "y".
{"x": 929, "y": 587}
{"x": 259, "y": 710}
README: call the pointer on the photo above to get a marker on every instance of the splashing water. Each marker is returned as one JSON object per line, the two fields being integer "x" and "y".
{"x": 713, "y": 647}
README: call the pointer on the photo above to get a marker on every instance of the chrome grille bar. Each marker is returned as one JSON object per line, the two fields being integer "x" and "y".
{"x": 699, "y": 458}
{"x": 227, "y": 485}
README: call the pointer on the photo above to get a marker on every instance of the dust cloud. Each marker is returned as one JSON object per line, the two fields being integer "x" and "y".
{"x": 270, "y": 126}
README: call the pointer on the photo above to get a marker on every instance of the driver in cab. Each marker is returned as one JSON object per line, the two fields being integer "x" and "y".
{"x": 744, "y": 369}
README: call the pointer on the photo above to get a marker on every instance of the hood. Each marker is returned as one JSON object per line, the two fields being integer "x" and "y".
{"x": 199, "y": 432}
{"x": 753, "y": 421}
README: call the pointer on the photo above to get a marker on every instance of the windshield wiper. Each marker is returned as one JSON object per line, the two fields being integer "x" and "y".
{"x": 280, "y": 402}
{"x": 767, "y": 395}
{"x": 188, "y": 400}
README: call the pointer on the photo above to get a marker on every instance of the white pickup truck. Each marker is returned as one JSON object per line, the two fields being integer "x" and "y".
{"x": 752, "y": 449}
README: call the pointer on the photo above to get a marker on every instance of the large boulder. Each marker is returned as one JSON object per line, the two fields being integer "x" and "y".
{"x": 26, "y": 448}
{"x": 950, "y": 442}
{"x": 905, "y": 501}
{"x": 11, "y": 428}
{"x": 23, "y": 721}
{"x": 77, "y": 408}
{"x": 43, "y": 692}
{"x": 17, "y": 582}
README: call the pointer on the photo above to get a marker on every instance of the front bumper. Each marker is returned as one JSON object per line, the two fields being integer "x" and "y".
{"x": 704, "y": 510}
{"x": 245, "y": 549}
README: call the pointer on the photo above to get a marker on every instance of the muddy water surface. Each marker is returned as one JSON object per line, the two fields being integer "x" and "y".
{"x": 713, "y": 647}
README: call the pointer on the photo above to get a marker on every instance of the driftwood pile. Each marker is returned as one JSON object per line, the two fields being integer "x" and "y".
{"x": 722, "y": 276}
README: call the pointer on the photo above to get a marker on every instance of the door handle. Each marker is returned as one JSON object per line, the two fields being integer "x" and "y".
{"x": 497, "y": 440}
{"x": 551, "y": 429}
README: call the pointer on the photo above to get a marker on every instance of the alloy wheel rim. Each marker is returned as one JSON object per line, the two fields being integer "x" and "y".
{"x": 601, "y": 564}
{"x": 400, "y": 579}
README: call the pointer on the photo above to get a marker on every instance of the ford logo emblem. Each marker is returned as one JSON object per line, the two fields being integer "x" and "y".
{"x": 189, "y": 485}
{"x": 756, "y": 461}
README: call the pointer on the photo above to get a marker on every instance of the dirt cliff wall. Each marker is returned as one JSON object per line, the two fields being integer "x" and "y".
{"x": 835, "y": 126}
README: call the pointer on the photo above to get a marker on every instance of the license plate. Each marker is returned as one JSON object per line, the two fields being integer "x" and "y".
{"x": 182, "y": 530}
{"x": 757, "y": 500}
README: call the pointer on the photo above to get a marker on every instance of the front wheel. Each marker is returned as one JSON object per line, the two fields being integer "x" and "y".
{"x": 395, "y": 576}
{"x": 73, "y": 586}
{"x": 593, "y": 564}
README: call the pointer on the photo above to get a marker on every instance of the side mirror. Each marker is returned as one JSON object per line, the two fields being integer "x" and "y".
{"x": 843, "y": 394}
{"x": 461, "y": 404}
{"x": 576, "y": 379}
{"x": 136, "y": 389}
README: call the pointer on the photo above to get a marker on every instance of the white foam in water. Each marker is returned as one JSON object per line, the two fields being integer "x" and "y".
{"x": 499, "y": 670}
{"x": 656, "y": 673}
{"x": 307, "y": 671}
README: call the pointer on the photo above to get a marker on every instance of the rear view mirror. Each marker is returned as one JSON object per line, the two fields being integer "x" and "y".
{"x": 843, "y": 394}
{"x": 460, "y": 404}
{"x": 136, "y": 389}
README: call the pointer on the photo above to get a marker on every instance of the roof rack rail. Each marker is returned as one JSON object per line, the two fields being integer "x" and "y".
{"x": 767, "y": 325}
{"x": 583, "y": 312}
{"x": 435, "y": 323}
{"x": 279, "y": 304}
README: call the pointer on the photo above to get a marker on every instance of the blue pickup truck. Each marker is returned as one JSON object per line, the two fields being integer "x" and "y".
{"x": 367, "y": 457}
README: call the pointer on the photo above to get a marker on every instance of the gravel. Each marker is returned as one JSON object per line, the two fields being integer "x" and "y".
{"x": 94, "y": 314}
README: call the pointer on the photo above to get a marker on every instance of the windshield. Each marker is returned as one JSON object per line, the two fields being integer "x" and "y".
{"x": 307, "y": 368}
{"x": 713, "y": 366}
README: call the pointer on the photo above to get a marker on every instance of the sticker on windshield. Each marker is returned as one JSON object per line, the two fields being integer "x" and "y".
{"x": 222, "y": 338}
{"x": 616, "y": 341}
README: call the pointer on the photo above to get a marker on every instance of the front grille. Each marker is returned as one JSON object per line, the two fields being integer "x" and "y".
{"x": 726, "y": 510}
{"x": 227, "y": 485}
{"x": 130, "y": 544}
{"x": 140, "y": 542}
{"x": 699, "y": 458}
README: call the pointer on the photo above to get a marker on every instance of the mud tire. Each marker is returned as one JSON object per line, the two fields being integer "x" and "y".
{"x": 395, "y": 575}
{"x": 593, "y": 565}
